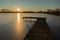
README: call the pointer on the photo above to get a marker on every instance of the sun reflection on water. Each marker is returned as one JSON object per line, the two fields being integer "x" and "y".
{"x": 19, "y": 25}
{"x": 18, "y": 17}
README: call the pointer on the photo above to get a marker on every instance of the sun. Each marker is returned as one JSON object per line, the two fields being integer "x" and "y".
{"x": 18, "y": 9}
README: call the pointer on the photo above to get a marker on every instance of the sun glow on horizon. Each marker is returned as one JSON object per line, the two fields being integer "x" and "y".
{"x": 18, "y": 9}
{"x": 18, "y": 15}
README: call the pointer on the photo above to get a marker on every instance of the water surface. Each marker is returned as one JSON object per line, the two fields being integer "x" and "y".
{"x": 13, "y": 27}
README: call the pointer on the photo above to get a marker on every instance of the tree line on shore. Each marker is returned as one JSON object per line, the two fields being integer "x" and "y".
{"x": 49, "y": 11}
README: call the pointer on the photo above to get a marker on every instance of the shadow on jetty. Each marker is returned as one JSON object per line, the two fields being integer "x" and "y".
{"x": 40, "y": 30}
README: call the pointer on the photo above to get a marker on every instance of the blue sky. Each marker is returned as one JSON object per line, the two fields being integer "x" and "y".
{"x": 30, "y": 4}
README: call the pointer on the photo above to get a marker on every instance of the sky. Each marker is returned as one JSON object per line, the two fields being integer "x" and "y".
{"x": 31, "y": 5}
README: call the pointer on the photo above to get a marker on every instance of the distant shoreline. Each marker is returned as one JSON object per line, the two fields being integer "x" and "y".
{"x": 51, "y": 13}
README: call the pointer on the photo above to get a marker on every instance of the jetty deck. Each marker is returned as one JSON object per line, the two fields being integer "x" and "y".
{"x": 40, "y": 30}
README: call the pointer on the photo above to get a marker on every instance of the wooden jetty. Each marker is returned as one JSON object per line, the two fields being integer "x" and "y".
{"x": 40, "y": 30}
